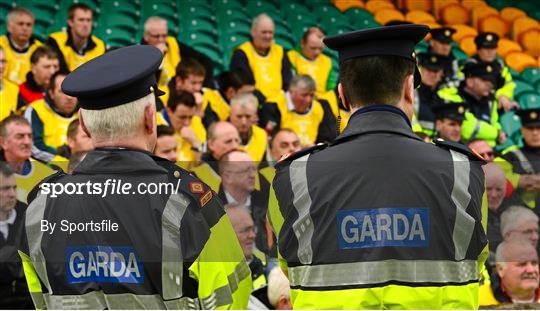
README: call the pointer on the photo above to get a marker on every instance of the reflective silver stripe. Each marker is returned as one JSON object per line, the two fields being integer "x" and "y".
{"x": 223, "y": 295}
{"x": 475, "y": 130}
{"x": 171, "y": 265}
{"x": 427, "y": 125}
{"x": 464, "y": 223}
{"x": 303, "y": 226}
{"x": 525, "y": 163}
{"x": 376, "y": 272}
{"x": 91, "y": 300}
{"x": 134, "y": 302}
{"x": 185, "y": 303}
{"x": 34, "y": 215}
{"x": 39, "y": 301}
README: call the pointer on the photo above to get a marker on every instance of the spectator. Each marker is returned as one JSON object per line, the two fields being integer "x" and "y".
{"x": 264, "y": 59}
{"x": 310, "y": 60}
{"x": 517, "y": 277}
{"x": 274, "y": 296}
{"x": 77, "y": 140}
{"x": 495, "y": 190}
{"x": 246, "y": 231}
{"x": 431, "y": 68}
{"x": 244, "y": 118}
{"x": 312, "y": 120}
{"x": 521, "y": 224}
{"x": 189, "y": 78}
{"x": 222, "y": 138}
{"x": 483, "y": 149}
{"x": 16, "y": 143}
{"x": 283, "y": 142}
{"x": 50, "y": 118}
{"x": 190, "y": 134}
{"x": 235, "y": 82}
{"x": 166, "y": 144}
{"x": 13, "y": 288}
{"x": 441, "y": 44}
{"x": 476, "y": 92}
{"x": 448, "y": 121}
{"x": 76, "y": 45}
{"x": 74, "y": 160}
{"x": 18, "y": 44}
{"x": 8, "y": 90}
{"x": 44, "y": 63}
{"x": 156, "y": 34}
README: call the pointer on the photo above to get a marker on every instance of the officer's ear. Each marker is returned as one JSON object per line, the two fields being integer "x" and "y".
{"x": 407, "y": 98}
{"x": 150, "y": 119}
{"x": 81, "y": 123}
{"x": 342, "y": 97}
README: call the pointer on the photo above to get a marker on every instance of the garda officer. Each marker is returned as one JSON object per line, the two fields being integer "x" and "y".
{"x": 379, "y": 219}
{"x": 441, "y": 44}
{"x": 448, "y": 121}
{"x": 119, "y": 249}
{"x": 476, "y": 91}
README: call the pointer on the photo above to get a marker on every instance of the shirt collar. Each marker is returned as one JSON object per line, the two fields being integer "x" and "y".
{"x": 232, "y": 200}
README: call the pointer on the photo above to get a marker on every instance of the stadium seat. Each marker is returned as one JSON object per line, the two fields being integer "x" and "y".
{"x": 471, "y": 4}
{"x": 510, "y": 14}
{"x": 385, "y": 15}
{"x": 522, "y": 87}
{"x": 326, "y": 11}
{"x": 463, "y": 31}
{"x": 455, "y": 13}
{"x": 520, "y": 61}
{"x": 292, "y": 9}
{"x": 257, "y": 7}
{"x": 199, "y": 25}
{"x": 196, "y": 10}
{"x": 375, "y": 5}
{"x": 507, "y": 46}
{"x": 416, "y": 5}
{"x": 194, "y": 39}
{"x": 116, "y": 37}
{"x": 460, "y": 55}
{"x": 285, "y": 40}
{"x": 226, "y": 15}
{"x": 511, "y": 125}
{"x": 121, "y": 6}
{"x": 530, "y": 41}
{"x": 529, "y": 100}
{"x": 361, "y": 18}
{"x": 162, "y": 8}
{"x": 344, "y": 5}
{"x": 468, "y": 46}
{"x": 438, "y": 5}
{"x": 479, "y": 13}
{"x": 419, "y": 17}
{"x": 119, "y": 20}
{"x": 521, "y": 25}
{"x": 494, "y": 23}
{"x": 531, "y": 75}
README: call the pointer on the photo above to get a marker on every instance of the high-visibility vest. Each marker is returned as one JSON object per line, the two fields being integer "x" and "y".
{"x": 256, "y": 146}
{"x": 18, "y": 64}
{"x": 8, "y": 97}
{"x": 319, "y": 69}
{"x": 266, "y": 69}
{"x": 72, "y": 58}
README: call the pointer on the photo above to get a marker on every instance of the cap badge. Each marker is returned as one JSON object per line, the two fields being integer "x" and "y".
{"x": 489, "y": 37}
{"x": 151, "y": 89}
{"x": 461, "y": 109}
{"x": 433, "y": 59}
{"x": 413, "y": 55}
{"x": 489, "y": 69}
{"x": 447, "y": 33}
{"x": 533, "y": 115}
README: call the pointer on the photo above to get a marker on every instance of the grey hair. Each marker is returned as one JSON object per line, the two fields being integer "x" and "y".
{"x": 257, "y": 20}
{"x": 116, "y": 123}
{"x": 303, "y": 81}
{"x": 18, "y": 11}
{"x": 246, "y": 100}
{"x": 153, "y": 19}
{"x": 278, "y": 286}
{"x": 501, "y": 252}
{"x": 510, "y": 218}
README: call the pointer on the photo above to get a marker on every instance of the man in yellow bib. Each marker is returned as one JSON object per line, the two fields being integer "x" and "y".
{"x": 266, "y": 60}
{"x": 50, "y": 118}
{"x": 76, "y": 45}
{"x": 8, "y": 90}
{"x": 18, "y": 44}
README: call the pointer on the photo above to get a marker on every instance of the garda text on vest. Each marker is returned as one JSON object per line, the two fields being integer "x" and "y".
{"x": 380, "y": 227}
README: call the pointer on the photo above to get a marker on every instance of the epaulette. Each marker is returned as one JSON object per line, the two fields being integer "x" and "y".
{"x": 49, "y": 179}
{"x": 471, "y": 153}
{"x": 289, "y": 157}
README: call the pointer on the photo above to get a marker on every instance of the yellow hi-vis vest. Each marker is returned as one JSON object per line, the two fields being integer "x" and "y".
{"x": 168, "y": 65}
{"x": 319, "y": 69}
{"x": 217, "y": 103}
{"x": 18, "y": 65}
{"x": 186, "y": 156}
{"x": 8, "y": 98}
{"x": 25, "y": 183}
{"x": 54, "y": 125}
{"x": 256, "y": 145}
{"x": 72, "y": 58}
{"x": 266, "y": 69}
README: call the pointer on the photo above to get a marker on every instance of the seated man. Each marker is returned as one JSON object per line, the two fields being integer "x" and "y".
{"x": 156, "y": 34}
{"x": 166, "y": 144}
{"x": 44, "y": 63}
{"x": 16, "y": 142}
{"x": 76, "y": 45}
{"x": 520, "y": 223}
{"x": 441, "y": 44}
{"x": 50, "y": 118}
{"x": 222, "y": 138}
{"x": 246, "y": 231}
{"x": 244, "y": 118}
{"x": 495, "y": 191}
{"x": 283, "y": 142}
{"x": 190, "y": 134}
{"x": 265, "y": 60}
{"x": 77, "y": 141}
{"x": 517, "y": 277}
{"x": 13, "y": 286}
{"x": 275, "y": 296}
{"x": 448, "y": 121}
{"x": 476, "y": 92}
{"x": 8, "y": 90}
{"x": 312, "y": 120}
{"x": 18, "y": 44}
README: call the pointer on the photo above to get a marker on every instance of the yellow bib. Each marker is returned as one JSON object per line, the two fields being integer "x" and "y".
{"x": 306, "y": 126}
{"x": 26, "y": 183}
{"x": 18, "y": 65}
{"x": 8, "y": 98}
{"x": 169, "y": 63}
{"x": 319, "y": 69}
{"x": 54, "y": 125}
{"x": 256, "y": 145}
{"x": 217, "y": 103}
{"x": 266, "y": 69}
{"x": 72, "y": 58}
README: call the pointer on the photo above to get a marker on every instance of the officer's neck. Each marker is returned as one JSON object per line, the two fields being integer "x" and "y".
{"x": 137, "y": 142}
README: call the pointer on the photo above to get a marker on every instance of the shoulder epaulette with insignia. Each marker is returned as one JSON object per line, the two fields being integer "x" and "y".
{"x": 473, "y": 155}
{"x": 288, "y": 158}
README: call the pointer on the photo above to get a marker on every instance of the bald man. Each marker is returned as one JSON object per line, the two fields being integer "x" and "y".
{"x": 495, "y": 191}
{"x": 264, "y": 59}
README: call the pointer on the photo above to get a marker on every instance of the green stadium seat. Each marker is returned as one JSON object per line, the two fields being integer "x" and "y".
{"x": 293, "y": 9}
{"x": 199, "y": 10}
{"x": 180, "y": 3}
{"x": 537, "y": 87}
{"x": 531, "y": 75}
{"x": 522, "y": 87}
{"x": 515, "y": 75}
{"x": 285, "y": 40}
{"x": 226, "y": 15}
{"x": 65, "y": 4}
{"x": 163, "y": 9}
{"x": 199, "y": 25}
{"x": 510, "y": 143}
{"x": 511, "y": 125}
{"x": 326, "y": 11}
{"x": 255, "y": 7}
{"x": 116, "y": 37}
{"x": 312, "y": 4}
{"x": 121, "y": 6}
{"x": 227, "y": 4}
{"x": 119, "y": 20}
{"x": 235, "y": 26}
{"x": 230, "y": 42}
{"x": 529, "y": 100}
{"x": 194, "y": 39}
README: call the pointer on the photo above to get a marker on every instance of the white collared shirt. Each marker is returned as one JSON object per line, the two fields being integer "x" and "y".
{"x": 4, "y": 224}
{"x": 231, "y": 200}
